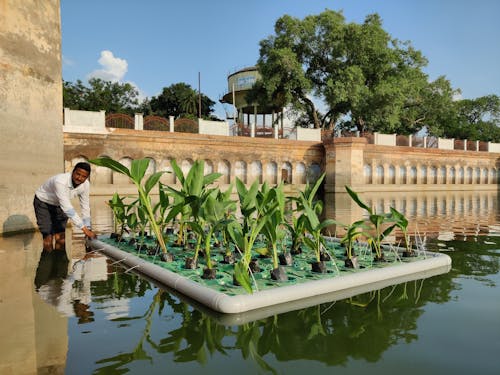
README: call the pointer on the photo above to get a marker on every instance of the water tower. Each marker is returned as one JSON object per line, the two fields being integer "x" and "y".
{"x": 251, "y": 117}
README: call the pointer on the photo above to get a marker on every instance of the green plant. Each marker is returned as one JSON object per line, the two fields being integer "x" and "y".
{"x": 271, "y": 205}
{"x": 297, "y": 224}
{"x": 119, "y": 215}
{"x": 188, "y": 199}
{"x": 245, "y": 233}
{"x": 352, "y": 233}
{"x": 297, "y": 229}
{"x": 213, "y": 214}
{"x": 402, "y": 223}
{"x": 377, "y": 220}
{"x": 136, "y": 174}
{"x": 311, "y": 211}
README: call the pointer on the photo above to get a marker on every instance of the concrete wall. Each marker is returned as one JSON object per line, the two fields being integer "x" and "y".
{"x": 247, "y": 158}
{"x": 304, "y": 134}
{"x": 213, "y": 127}
{"x": 84, "y": 121}
{"x": 31, "y": 142}
{"x": 369, "y": 167}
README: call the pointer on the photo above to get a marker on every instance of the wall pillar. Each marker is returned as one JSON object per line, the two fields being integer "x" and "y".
{"x": 171, "y": 123}
{"x": 138, "y": 121}
{"x": 31, "y": 144}
{"x": 344, "y": 164}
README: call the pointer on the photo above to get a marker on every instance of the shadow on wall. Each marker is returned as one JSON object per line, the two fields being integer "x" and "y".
{"x": 16, "y": 224}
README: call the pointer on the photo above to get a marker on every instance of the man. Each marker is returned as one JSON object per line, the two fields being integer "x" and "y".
{"x": 53, "y": 206}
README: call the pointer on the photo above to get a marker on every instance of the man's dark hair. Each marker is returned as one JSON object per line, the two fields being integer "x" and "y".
{"x": 82, "y": 165}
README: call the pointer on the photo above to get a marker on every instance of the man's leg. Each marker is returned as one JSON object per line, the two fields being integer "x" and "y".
{"x": 51, "y": 221}
{"x": 60, "y": 241}
{"x": 48, "y": 240}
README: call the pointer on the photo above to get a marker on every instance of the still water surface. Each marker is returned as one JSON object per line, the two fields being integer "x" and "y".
{"x": 99, "y": 319}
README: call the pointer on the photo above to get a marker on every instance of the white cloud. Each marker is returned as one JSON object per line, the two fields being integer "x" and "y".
{"x": 113, "y": 68}
{"x": 141, "y": 94}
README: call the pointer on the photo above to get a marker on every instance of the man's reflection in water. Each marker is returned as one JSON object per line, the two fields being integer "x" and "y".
{"x": 68, "y": 288}
{"x": 53, "y": 266}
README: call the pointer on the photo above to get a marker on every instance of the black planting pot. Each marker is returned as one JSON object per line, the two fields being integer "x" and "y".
{"x": 279, "y": 274}
{"x": 167, "y": 257}
{"x": 318, "y": 267}
{"x": 190, "y": 264}
{"x": 209, "y": 273}
{"x": 285, "y": 259}
{"x": 351, "y": 262}
{"x": 254, "y": 265}
{"x": 324, "y": 256}
{"x": 229, "y": 259}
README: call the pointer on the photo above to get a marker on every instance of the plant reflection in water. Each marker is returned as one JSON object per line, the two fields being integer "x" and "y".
{"x": 330, "y": 332}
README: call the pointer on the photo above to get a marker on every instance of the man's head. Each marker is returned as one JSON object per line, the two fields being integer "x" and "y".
{"x": 80, "y": 173}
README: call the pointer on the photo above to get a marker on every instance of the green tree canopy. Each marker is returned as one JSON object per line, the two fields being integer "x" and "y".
{"x": 477, "y": 119}
{"x": 364, "y": 77}
{"x": 180, "y": 100}
{"x": 113, "y": 97}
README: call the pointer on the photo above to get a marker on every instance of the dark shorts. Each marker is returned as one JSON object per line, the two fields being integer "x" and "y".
{"x": 50, "y": 219}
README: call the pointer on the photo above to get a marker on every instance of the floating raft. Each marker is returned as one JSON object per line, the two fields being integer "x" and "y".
{"x": 302, "y": 290}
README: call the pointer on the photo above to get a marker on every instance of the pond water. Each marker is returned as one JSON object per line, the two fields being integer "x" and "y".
{"x": 85, "y": 315}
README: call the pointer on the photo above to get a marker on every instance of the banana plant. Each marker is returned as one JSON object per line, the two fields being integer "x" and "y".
{"x": 271, "y": 205}
{"x": 161, "y": 209}
{"x": 314, "y": 226}
{"x": 297, "y": 225}
{"x": 311, "y": 209}
{"x": 297, "y": 230}
{"x": 138, "y": 220}
{"x": 193, "y": 191}
{"x": 377, "y": 220}
{"x": 117, "y": 206}
{"x": 353, "y": 232}
{"x": 136, "y": 174}
{"x": 245, "y": 233}
{"x": 213, "y": 214}
{"x": 402, "y": 223}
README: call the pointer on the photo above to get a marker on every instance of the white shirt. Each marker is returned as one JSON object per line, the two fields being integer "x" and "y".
{"x": 58, "y": 191}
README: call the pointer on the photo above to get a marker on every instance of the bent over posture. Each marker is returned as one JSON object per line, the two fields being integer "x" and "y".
{"x": 53, "y": 206}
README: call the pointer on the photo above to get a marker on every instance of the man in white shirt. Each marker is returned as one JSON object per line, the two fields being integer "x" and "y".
{"x": 53, "y": 206}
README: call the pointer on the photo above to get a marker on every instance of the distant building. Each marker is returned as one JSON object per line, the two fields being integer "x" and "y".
{"x": 245, "y": 114}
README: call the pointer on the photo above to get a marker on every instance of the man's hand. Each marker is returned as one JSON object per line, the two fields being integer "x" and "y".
{"x": 89, "y": 233}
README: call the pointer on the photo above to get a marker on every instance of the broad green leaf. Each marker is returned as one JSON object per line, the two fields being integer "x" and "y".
{"x": 111, "y": 164}
{"x": 152, "y": 181}
{"x": 356, "y": 199}
{"x": 194, "y": 179}
{"x": 325, "y": 224}
{"x": 315, "y": 188}
{"x": 178, "y": 171}
{"x": 241, "y": 275}
{"x": 211, "y": 177}
{"x": 311, "y": 216}
{"x": 138, "y": 169}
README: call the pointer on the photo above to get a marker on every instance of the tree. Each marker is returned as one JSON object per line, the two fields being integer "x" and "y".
{"x": 477, "y": 119}
{"x": 365, "y": 78}
{"x": 180, "y": 100}
{"x": 113, "y": 97}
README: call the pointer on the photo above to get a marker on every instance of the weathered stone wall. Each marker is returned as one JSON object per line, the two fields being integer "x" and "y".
{"x": 31, "y": 142}
{"x": 369, "y": 167}
{"x": 247, "y": 158}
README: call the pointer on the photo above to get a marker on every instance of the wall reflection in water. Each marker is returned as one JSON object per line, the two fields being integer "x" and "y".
{"x": 443, "y": 215}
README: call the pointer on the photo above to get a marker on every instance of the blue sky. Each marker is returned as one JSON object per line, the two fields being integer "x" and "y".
{"x": 156, "y": 43}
